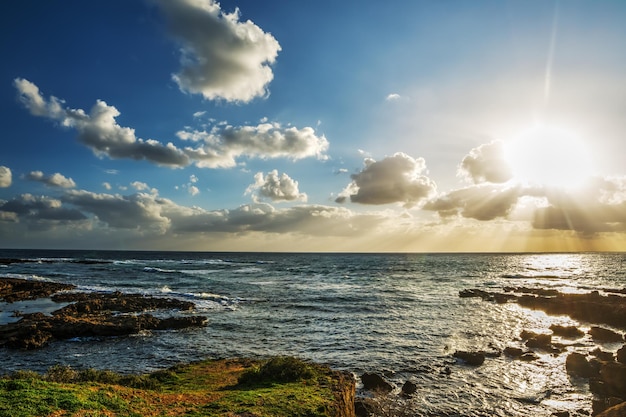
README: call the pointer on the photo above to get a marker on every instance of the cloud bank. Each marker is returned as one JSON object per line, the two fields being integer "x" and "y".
{"x": 486, "y": 163}
{"x": 221, "y": 57}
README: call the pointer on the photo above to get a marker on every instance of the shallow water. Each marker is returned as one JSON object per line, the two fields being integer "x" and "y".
{"x": 398, "y": 314}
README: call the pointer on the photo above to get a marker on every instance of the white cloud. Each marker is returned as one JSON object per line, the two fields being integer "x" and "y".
{"x": 222, "y": 58}
{"x": 395, "y": 179}
{"x": 5, "y": 177}
{"x": 275, "y": 188}
{"x": 193, "y": 190}
{"x": 486, "y": 163}
{"x": 139, "y": 186}
{"x": 193, "y": 179}
{"x": 393, "y": 97}
{"x": 54, "y": 180}
{"x": 220, "y": 147}
{"x": 199, "y": 114}
{"x": 106, "y": 185}
{"x": 98, "y": 130}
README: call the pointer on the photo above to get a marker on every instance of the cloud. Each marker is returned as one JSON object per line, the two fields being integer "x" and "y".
{"x": 486, "y": 163}
{"x": 395, "y": 179}
{"x": 193, "y": 179}
{"x": 600, "y": 206}
{"x": 139, "y": 186}
{"x": 98, "y": 130}
{"x": 480, "y": 202}
{"x": 221, "y": 57}
{"x": 38, "y": 212}
{"x": 275, "y": 188}
{"x": 106, "y": 185}
{"x": 5, "y": 177}
{"x": 220, "y": 147}
{"x": 393, "y": 97}
{"x": 54, "y": 180}
{"x": 199, "y": 114}
{"x": 139, "y": 211}
{"x": 193, "y": 190}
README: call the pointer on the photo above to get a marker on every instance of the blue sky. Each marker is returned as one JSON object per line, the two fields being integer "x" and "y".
{"x": 313, "y": 126}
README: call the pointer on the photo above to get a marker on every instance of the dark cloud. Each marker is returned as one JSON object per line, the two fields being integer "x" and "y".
{"x": 222, "y": 58}
{"x": 395, "y": 179}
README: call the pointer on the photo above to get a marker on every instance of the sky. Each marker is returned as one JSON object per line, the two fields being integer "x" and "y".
{"x": 352, "y": 126}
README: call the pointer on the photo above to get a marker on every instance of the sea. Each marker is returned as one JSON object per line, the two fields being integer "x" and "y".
{"x": 399, "y": 315}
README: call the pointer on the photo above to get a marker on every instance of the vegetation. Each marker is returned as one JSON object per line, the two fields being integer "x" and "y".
{"x": 277, "y": 387}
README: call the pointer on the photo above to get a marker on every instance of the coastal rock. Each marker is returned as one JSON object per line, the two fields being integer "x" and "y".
{"x": 537, "y": 340}
{"x": 409, "y": 388}
{"x": 614, "y": 410}
{"x": 576, "y": 364}
{"x": 470, "y": 358}
{"x": 15, "y": 289}
{"x": 621, "y": 354}
{"x": 375, "y": 382}
{"x": 513, "y": 352}
{"x": 91, "y": 315}
{"x": 605, "y": 335}
{"x": 571, "y": 332}
{"x": 603, "y": 355}
{"x": 613, "y": 374}
{"x": 528, "y": 357}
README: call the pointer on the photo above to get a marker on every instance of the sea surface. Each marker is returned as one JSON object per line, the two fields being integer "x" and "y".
{"x": 396, "y": 314}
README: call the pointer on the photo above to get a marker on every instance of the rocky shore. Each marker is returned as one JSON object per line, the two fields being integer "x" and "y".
{"x": 605, "y": 371}
{"x": 86, "y": 314}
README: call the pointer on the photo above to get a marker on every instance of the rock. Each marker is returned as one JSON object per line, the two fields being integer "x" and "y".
{"x": 513, "y": 352}
{"x": 571, "y": 332}
{"x": 613, "y": 374}
{"x": 537, "y": 340}
{"x": 576, "y": 364}
{"x": 603, "y": 355}
{"x": 95, "y": 315}
{"x": 409, "y": 388}
{"x": 15, "y": 289}
{"x": 361, "y": 409}
{"x": 560, "y": 414}
{"x": 470, "y": 358}
{"x": 528, "y": 357}
{"x": 621, "y": 354}
{"x": 605, "y": 335}
{"x": 375, "y": 382}
{"x": 614, "y": 407}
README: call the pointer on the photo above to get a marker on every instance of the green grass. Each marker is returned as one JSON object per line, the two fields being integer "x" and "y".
{"x": 278, "y": 387}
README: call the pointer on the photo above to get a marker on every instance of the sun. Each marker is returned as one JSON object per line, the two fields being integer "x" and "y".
{"x": 549, "y": 156}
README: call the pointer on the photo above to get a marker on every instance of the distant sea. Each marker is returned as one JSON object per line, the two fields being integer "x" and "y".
{"x": 395, "y": 314}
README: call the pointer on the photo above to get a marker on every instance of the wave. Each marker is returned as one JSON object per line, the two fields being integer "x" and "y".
{"x": 523, "y": 276}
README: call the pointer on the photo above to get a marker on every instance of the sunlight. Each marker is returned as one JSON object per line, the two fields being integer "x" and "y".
{"x": 549, "y": 156}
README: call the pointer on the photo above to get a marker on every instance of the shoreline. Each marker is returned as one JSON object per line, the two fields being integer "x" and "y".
{"x": 552, "y": 302}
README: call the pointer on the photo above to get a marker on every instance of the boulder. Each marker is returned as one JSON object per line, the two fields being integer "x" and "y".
{"x": 409, "y": 388}
{"x": 470, "y": 358}
{"x": 618, "y": 410}
{"x": 605, "y": 335}
{"x": 603, "y": 355}
{"x": 513, "y": 352}
{"x": 375, "y": 382}
{"x": 621, "y": 354}
{"x": 577, "y": 365}
{"x": 571, "y": 332}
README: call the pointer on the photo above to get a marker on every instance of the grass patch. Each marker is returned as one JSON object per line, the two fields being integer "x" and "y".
{"x": 282, "y": 386}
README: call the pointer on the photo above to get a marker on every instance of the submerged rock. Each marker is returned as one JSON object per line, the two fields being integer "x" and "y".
{"x": 15, "y": 289}
{"x": 470, "y": 358}
{"x": 571, "y": 332}
{"x": 576, "y": 364}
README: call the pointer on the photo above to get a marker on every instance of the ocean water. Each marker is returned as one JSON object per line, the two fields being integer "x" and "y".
{"x": 395, "y": 314}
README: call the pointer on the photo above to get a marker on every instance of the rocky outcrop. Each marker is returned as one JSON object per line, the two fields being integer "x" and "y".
{"x": 14, "y": 289}
{"x": 88, "y": 315}
{"x": 470, "y": 358}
